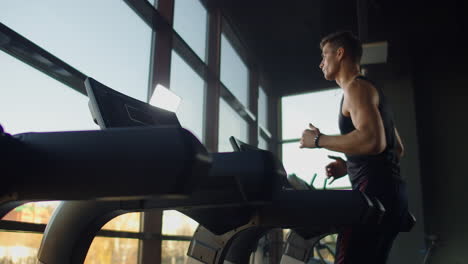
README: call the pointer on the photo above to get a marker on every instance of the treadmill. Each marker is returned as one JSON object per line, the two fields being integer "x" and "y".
{"x": 235, "y": 197}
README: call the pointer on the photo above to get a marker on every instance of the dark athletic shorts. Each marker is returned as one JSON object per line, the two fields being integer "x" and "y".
{"x": 372, "y": 244}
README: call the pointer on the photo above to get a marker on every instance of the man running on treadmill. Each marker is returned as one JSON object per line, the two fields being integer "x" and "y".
{"x": 372, "y": 147}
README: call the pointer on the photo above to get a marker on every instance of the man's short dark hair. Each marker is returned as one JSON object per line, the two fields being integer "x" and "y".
{"x": 346, "y": 40}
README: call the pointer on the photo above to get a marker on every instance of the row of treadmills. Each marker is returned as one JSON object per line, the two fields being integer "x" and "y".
{"x": 143, "y": 159}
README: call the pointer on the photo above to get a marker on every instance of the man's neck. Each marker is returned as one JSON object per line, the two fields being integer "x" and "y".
{"x": 346, "y": 75}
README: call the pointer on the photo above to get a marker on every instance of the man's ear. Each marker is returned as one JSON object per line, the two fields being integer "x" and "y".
{"x": 340, "y": 53}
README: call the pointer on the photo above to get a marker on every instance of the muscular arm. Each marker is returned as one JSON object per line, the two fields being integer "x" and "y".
{"x": 369, "y": 136}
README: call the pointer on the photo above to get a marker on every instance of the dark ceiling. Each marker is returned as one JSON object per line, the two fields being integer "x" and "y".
{"x": 283, "y": 36}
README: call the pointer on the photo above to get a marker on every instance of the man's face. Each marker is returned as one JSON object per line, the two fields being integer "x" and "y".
{"x": 329, "y": 63}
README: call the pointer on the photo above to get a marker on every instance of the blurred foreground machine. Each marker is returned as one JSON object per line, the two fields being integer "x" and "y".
{"x": 235, "y": 197}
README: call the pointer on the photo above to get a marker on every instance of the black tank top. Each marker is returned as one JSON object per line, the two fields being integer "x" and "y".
{"x": 382, "y": 167}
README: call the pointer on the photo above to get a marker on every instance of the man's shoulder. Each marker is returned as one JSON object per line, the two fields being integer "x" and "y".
{"x": 360, "y": 89}
{"x": 360, "y": 85}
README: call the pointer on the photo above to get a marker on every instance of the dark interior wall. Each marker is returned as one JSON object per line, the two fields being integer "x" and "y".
{"x": 440, "y": 56}
{"x": 441, "y": 102}
{"x": 445, "y": 188}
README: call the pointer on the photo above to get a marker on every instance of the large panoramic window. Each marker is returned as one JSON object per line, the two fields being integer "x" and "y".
{"x": 190, "y": 22}
{"x": 262, "y": 143}
{"x": 262, "y": 108}
{"x": 321, "y": 109}
{"x": 176, "y": 224}
{"x": 234, "y": 73}
{"x": 264, "y": 135}
{"x": 230, "y": 124}
{"x": 108, "y": 41}
{"x": 174, "y": 251}
{"x": 103, "y": 39}
{"x": 105, "y": 250}
{"x": 30, "y": 101}
{"x": 191, "y": 88}
{"x": 37, "y": 213}
{"x": 18, "y": 247}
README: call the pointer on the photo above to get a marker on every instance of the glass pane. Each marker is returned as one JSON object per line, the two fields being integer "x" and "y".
{"x": 234, "y": 73}
{"x": 31, "y": 101}
{"x": 22, "y": 248}
{"x": 230, "y": 124}
{"x": 326, "y": 249}
{"x": 37, "y": 213}
{"x": 19, "y": 248}
{"x": 306, "y": 162}
{"x": 106, "y": 250}
{"x": 174, "y": 252}
{"x": 190, "y": 21}
{"x": 262, "y": 108}
{"x": 103, "y": 39}
{"x": 285, "y": 234}
{"x": 319, "y": 108}
{"x": 262, "y": 143}
{"x": 191, "y": 88}
{"x": 175, "y": 223}
{"x": 261, "y": 253}
{"x": 126, "y": 222}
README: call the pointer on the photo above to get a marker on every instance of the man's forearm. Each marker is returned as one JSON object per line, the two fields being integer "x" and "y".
{"x": 354, "y": 143}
